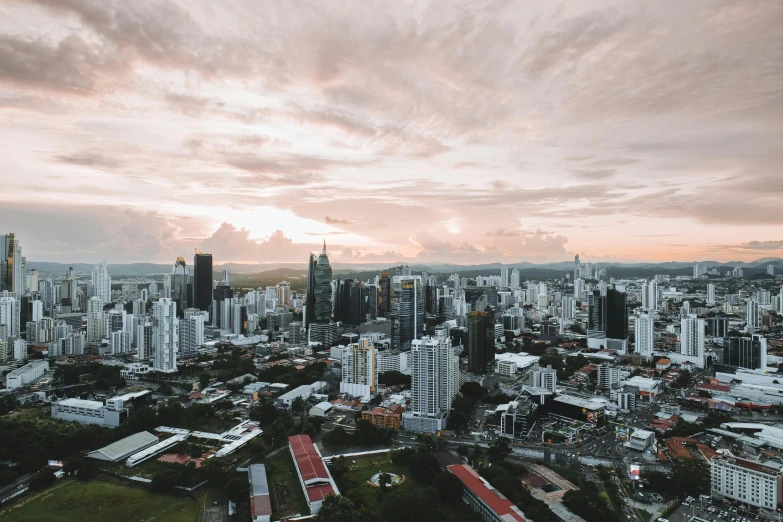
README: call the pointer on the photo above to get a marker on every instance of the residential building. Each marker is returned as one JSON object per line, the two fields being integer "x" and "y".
{"x": 434, "y": 382}
{"x": 608, "y": 377}
{"x": 101, "y": 282}
{"x": 389, "y": 418}
{"x": 165, "y": 335}
{"x": 711, "y": 294}
{"x": 191, "y": 332}
{"x": 753, "y": 317}
{"x": 746, "y": 481}
{"x": 644, "y": 331}
{"x": 544, "y": 378}
{"x": 10, "y": 314}
{"x": 692, "y": 339}
{"x": 358, "y": 369}
{"x": 95, "y": 320}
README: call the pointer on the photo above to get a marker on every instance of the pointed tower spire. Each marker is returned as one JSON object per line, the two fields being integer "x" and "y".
{"x": 324, "y": 250}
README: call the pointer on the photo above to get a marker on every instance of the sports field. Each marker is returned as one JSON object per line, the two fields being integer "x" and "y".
{"x": 101, "y": 501}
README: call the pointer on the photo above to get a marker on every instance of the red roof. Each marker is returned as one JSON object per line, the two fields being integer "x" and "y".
{"x": 311, "y": 467}
{"x": 502, "y": 506}
{"x": 316, "y": 493}
{"x": 260, "y": 505}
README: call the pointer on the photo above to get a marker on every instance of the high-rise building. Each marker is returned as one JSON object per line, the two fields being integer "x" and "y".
{"x": 384, "y": 294}
{"x": 753, "y": 317}
{"x": 608, "y": 316}
{"x": 579, "y": 288}
{"x": 10, "y": 314}
{"x": 515, "y": 279}
{"x": 696, "y": 270}
{"x": 309, "y": 308}
{"x": 569, "y": 308}
{"x": 650, "y": 296}
{"x": 711, "y": 294}
{"x": 191, "y": 332}
{"x": 692, "y": 338}
{"x": 644, "y": 331}
{"x": 771, "y": 270}
{"x": 745, "y": 352}
{"x": 608, "y": 377}
{"x": 407, "y": 310}
{"x": 481, "y": 342}
{"x": 504, "y": 281}
{"x": 434, "y": 382}
{"x": 165, "y": 335}
{"x": 101, "y": 282}
{"x": 12, "y": 275}
{"x": 323, "y": 289}
{"x": 283, "y": 292}
{"x": 202, "y": 281}
{"x": 144, "y": 345}
{"x": 95, "y": 321}
{"x": 359, "y": 372}
{"x": 180, "y": 284}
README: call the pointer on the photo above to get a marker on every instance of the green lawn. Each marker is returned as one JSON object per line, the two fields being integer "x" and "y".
{"x": 101, "y": 501}
{"x": 364, "y": 470}
{"x": 284, "y": 486}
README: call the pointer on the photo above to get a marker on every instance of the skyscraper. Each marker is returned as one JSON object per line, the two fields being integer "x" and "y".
{"x": 359, "y": 371}
{"x": 165, "y": 335}
{"x": 544, "y": 378}
{"x": 95, "y": 321}
{"x": 11, "y": 267}
{"x": 434, "y": 382}
{"x": 692, "y": 338}
{"x": 283, "y": 290}
{"x": 202, "y": 280}
{"x": 481, "y": 342}
{"x": 9, "y": 314}
{"x": 710, "y": 294}
{"x": 384, "y": 294}
{"x": 323, "y": 289}
{"x": 650, "y": 296}
{"x": 191, "y": 333}
{"x": 644, "y": 328}
{"x": 309, "y": 309}
{"x": 753, "y": 317}
{"x": 101, "y": 282}
{"x": 515, "y": 279}
{"x": 504, "y": 281}
{"x": 407, "y": 310}
{"x": 180, "y": 282}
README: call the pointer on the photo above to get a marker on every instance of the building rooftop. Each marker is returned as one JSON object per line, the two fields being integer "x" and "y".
{"x": 81, "y": 403}
{"x": 124, "y": 447}
{"x": 499, "y": 504}
{"x": 590, "y": 404}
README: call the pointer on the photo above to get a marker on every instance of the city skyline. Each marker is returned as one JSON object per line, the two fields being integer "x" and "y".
{"x": 421, "y": 132}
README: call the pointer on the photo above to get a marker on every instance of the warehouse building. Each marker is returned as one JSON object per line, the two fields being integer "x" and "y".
{"x": 260, "y": 504}
{"x": 316, "y": 481}
{"x": 124, "y": 447}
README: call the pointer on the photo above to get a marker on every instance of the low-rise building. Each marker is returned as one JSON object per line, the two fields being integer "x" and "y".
{"x": 85, "y": 412}
{"x": 747, "y": 482}
{"x": 390, "y": 417}
{"x": 260, "y": 504}
{"x": 26, "y": 374}
{"x": 314, "y": 477}
{"x": 484, "y": 499}
{"x": 304, "y": 392}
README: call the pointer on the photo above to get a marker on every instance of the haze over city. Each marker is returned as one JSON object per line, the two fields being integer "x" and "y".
{"x": 399, "y": 131}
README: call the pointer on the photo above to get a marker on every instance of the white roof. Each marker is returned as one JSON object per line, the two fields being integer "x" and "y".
{"x": 522, "y": 360}
{"x": 81, "y": 403}
{"x": 643, "y": 434}
{"x": 124, "y": 447}
{"x": 594, "y": 404}
{"x": 324, "y": 406}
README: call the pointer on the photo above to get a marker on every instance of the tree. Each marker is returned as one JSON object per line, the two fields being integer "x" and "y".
{"x": 338, "y": 509}
{"x": 473, "y": 390}
{"x": 499, "y": 450}
{"x": 298, "y": 404}
{"x": 165, "y": 480}
{"x": 203, "y": 379}
{"x": 449, "y": 486}
{"x": 384, "y": 480}
{"x": 423, "y": 466}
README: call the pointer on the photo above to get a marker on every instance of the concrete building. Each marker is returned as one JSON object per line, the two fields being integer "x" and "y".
{"x": 645, "y": 335}
{"x": 640, "y": 440}
{"x": 608, "y": 377}
{"x": 305, "y": 392}
{"x": 692, "y": 338}
{"x": 191, "y": 332}
{"x": 747, "y": 482}
{"x": 26, "y": 374}
{"x": 95, "y": 321}
{"x": 85, "y": 412}
{"x": 545, "y": 378}
{"x": 434, "y": 382}
{"x": 392, "y": 361}
{"x": 165, "y": 335}
{"x": 359, "y": 373}
{"x": 10, "y": 314}
{"x": 101, "y": 282}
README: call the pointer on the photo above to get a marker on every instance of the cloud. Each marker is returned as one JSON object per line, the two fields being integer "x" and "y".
{"x": 757, "y": 246}
{"x": 541, "y": 244}
{"x": 335, "y": 221}
{"x": 502, "y": 232}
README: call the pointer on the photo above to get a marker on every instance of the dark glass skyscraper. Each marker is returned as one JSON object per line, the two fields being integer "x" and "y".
{"x": 323, "y": 289}
{"x": 309, "y": 314}
{"x": 481, "y": 342}
{"x": 407, "y": 311}
{"x": 202, "y": 281}
{"x": 384, "y": 295}
{"x": 608, "y": 315}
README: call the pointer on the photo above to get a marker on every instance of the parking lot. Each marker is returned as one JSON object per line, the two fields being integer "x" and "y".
{"x": 713, "y": 511}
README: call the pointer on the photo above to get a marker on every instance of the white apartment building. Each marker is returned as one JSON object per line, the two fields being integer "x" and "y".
{"x": 101, "y": 282}
{"x": 144, "y": 349}
{"x": 753, "y": 317}
{"x": 692, "y": 338}
{"x": 9, "y": 313}
{"x": 95, "y": 320}
{"x": 544, "y": 378}
{"x": 191, "y": 332}
{"x": 608, "y": 377}
{"x": 711, "y": 294}
{"x": 650, "y": 296}
{"x": 434, "y": 382}
{"x": 746, "y": 481}
{"x": 392, "y": 361}
{"x": 569, "y": 308}
{"x": 644, "y": 332}
{"x": 165, "y": 335}
{"x": 359, "y": 371}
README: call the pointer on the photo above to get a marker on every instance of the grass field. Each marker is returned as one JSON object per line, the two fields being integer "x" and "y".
{"x": 284, "y": 488}
{"x": 365, "y": 469}
{"x": 101, "y": 501}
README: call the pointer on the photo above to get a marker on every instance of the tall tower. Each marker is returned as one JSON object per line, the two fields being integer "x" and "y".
{"x": 11, "y": 268}
{"x": 645, "y": 335}
{"x": 433, "y": 379}
{"x": 309, "y": 310}
{"x": 101, "y": 282}
{"x": 323, "y": 289}
{"x": 481, "y": 342}
{"x": 95, "y": 320}
{"x": 692, "y": 338}
{"x": 202, "y": 280}
{"x": 165, "y": 335}
{"x": 407, "y": 310}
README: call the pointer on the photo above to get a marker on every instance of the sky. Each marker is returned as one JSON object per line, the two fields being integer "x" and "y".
{"x": 397, "y": 131}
